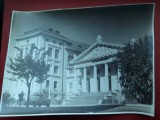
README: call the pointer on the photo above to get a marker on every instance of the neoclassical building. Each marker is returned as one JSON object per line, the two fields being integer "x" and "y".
{"x": 74, "y": 66}
{"x": 95, "y": 69}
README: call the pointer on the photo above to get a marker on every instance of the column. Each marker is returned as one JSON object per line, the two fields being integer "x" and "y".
{"x": 118, "y": 79}
{"x": 95, "y": 78}
{"x": 118, "y": 86}
{"x": 75, "y": 81}
{"x": 84, "y": 82}
{"x": 107, "y": 76}
{"x": 49, "y": 92}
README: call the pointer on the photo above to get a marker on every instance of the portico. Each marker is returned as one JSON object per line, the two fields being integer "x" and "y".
{"x": 96, "y": 78}
{"x": 95, "y": 69}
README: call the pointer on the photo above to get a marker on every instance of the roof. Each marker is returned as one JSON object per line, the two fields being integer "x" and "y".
{"x": 71, "y": 44}
{"x": 76, "y": 46}
{"x": 43, "y": 29}
{"x": 97, "y": 51}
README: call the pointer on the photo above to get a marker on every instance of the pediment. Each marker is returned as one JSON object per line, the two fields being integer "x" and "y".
{"x": 97, "y": 51}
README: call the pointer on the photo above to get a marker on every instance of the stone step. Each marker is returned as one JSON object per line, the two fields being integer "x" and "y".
{"x": 85, "y": 99}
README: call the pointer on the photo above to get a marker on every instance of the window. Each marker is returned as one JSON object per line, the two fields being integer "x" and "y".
{"x": 50, "y": 49}
{"x": 57, "y": 54}
{"x": 71, "y": 71}
{"x": 49, "y": 71}
{"x": 71, "y": 85}
{"x": 55, "y": 85}
{"x": 54, "y": 42}
{"x": 56, "y": 70}
{"x": 69, "y": 43}
{"x": 47, "y": 39}
{"x": 47, "y": 84}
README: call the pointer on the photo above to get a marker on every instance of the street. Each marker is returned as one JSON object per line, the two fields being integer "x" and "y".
{"x": 58, "y": 109}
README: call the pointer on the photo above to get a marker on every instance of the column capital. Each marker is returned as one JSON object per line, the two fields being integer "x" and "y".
{"x": 106, "y": 63}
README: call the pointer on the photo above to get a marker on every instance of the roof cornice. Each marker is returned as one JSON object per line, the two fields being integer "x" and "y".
{"x": 44, "y": 32}
{"x": 105, "y": 44}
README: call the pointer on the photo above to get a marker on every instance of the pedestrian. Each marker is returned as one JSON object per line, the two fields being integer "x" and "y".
{"x": 20, "y": 95}
{"x": 5, "y": 99}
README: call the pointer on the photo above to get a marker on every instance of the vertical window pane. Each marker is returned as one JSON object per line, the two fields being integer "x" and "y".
{"x": 49, "y": 71}
{"x": 47, "y": 84}
{"x": 55, "y": 86}
{"x": 56, "y": 70}
{"x": 56, "y": 54}
{"x": 50, "y": 49}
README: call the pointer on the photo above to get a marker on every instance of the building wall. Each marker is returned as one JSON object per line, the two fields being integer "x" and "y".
{"x": 57, "y": 82}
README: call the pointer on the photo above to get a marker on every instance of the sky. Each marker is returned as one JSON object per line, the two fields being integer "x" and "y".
{"x": 116, "y": 24}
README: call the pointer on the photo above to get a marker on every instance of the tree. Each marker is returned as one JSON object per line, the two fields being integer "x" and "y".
{"x": 29, "y": 68}
{"x": 135, "y": 64}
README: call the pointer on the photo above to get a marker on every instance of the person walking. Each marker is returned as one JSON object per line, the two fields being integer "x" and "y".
{"x": 21, "y": 95}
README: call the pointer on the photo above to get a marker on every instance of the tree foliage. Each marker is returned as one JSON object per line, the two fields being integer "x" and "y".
{"x": 135, "y": 64}
{"x": 29, "y": 67}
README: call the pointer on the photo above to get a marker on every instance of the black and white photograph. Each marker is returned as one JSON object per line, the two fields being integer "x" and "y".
{"x": 80, "y": 61}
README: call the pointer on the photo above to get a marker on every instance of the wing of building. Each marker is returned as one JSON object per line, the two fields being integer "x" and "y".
{"x": 95, "y": 69}
{"x": 61, "y": 50}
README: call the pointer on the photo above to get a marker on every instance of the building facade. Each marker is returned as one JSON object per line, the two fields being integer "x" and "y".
{"x": 75, "y": 67}
{"x": 61, "y": 50}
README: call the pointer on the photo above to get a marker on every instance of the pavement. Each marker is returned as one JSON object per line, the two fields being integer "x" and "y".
{"x": 78, "y": 109}
{"x": 64, "y": 109}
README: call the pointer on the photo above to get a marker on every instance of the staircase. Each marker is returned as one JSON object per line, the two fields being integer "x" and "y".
{"x": 85, "y": 99}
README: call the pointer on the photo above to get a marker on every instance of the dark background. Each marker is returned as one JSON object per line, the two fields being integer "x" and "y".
{"x": 1, "y": 19}
{"x": 54, "y": 4}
